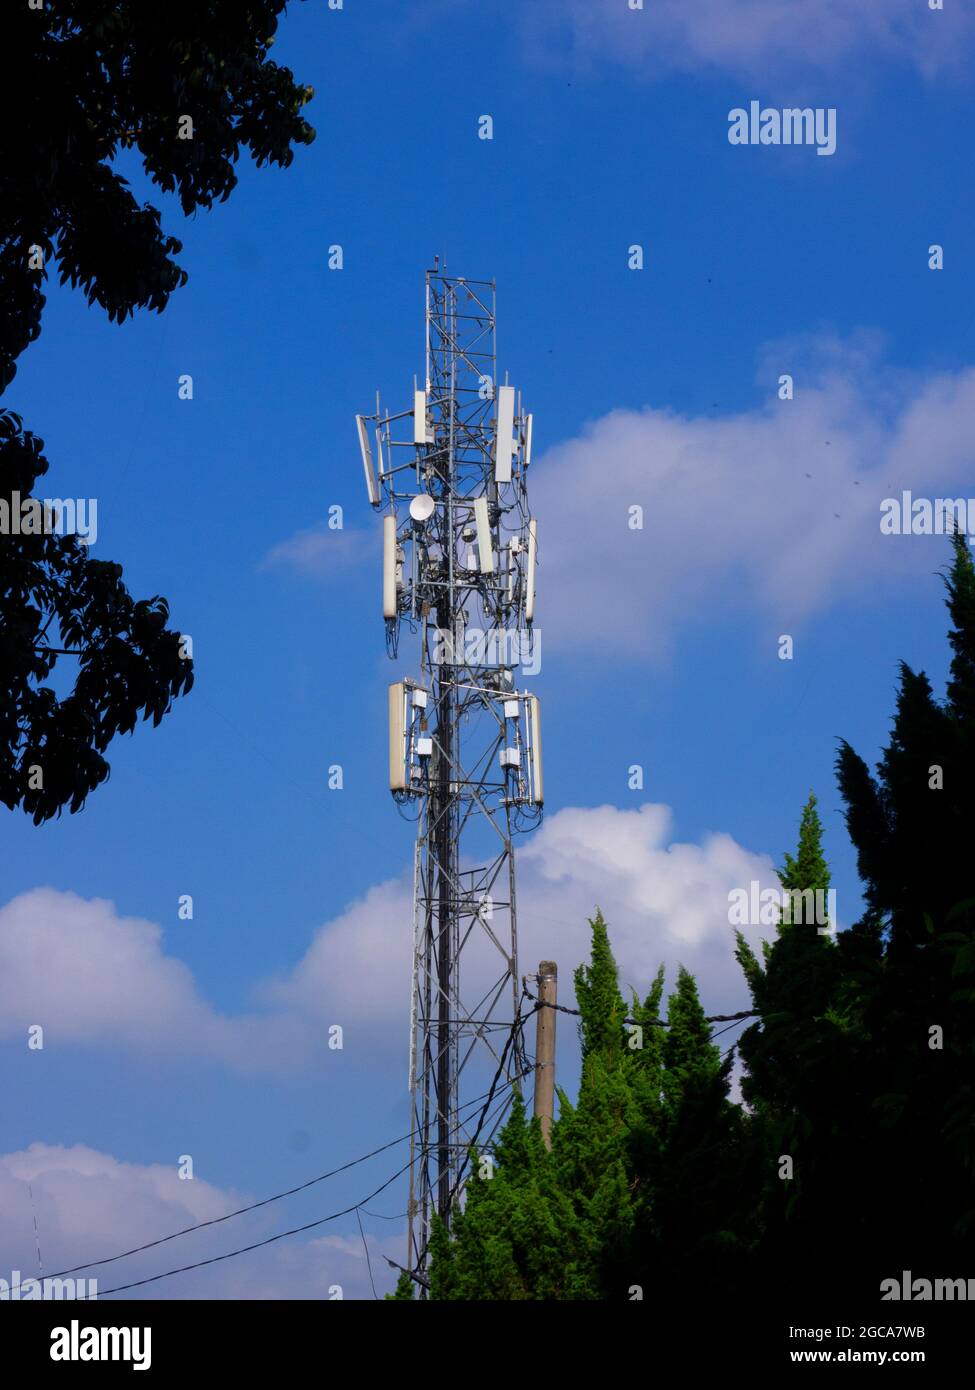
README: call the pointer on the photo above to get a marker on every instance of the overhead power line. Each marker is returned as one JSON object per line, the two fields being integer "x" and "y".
{"x": 253, "y": 1206}
{"x": 259, "y": 1244}
{"x": 640, "y": 1022}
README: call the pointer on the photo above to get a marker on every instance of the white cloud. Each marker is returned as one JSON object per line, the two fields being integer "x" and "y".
{"x": 98, "y": 976}
{"x": 356, "y": 972}
{"x": 319, "y": 552}
{"x": 774, "y": 512}
{"x": 753, "y": 38}
{"x": 91, "y": 976}
{"x": 86, "y": 974}
{"x": 665, "y": 902}
{"x": 89, "y": 1205}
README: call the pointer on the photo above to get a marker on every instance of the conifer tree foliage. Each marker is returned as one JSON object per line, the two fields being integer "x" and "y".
{"x": 700, "y": 1197}
{"x": 913, "y": 826}
{"x": 404, "y": 1288}
{"x": 852, "y": 1158}
{"x": 861, "y": 1068}
{"x": 606, "y": 1208}
{"x": 189, "y": 87}
{"x": 786, "y": 1052}
{"x": 520, "y": 1235}
{"x": 601, "y": 1007}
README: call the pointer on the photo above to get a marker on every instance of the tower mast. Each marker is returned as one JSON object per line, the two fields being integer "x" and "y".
{"x": 459, "y": 556}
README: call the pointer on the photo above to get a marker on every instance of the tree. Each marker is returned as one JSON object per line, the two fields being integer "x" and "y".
{"x": 643, "y": 1179}
{"x": 860, "y": 1068}
{"x": 695, "y": 1187}
{"x": 518, "y": 1236}
{"x": 189, "y": 86}
{"x": 854, "y": 1158}
{"x": 601, "y": 1006}
{"x": 788, "y": 1054}
{"x": 128, "y": 663}
{"x": 912, "y": 825}
{"x": 404, "y": 1288}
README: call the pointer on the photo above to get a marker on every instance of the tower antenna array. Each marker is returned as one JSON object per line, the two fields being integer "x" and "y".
{"x": 459, "y": 556}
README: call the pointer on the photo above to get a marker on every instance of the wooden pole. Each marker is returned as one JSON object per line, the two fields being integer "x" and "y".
{"x": 544, "y": 1107}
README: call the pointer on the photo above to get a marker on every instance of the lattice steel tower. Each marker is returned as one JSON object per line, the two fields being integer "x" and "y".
{"x": 459, "y": 556}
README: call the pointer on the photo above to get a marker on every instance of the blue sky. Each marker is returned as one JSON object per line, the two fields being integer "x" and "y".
{"x": 655, "y": 387}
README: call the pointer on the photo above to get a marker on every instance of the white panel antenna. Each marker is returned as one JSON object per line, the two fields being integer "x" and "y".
{"x": 397, "y": 737}
{"x": 484, "y": 548}
{"x": 504, "y": 442}
{"x": 535, "y": 720}
{"x": 528, "y": 439}
{"x": 530, "y": 577}
{"x": 421, "y": 431}
{"x": 371, "y": 485}
{"x": 390, "y": 566}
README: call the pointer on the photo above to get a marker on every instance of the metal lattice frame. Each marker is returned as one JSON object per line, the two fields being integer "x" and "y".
{"x": 470, "y": 799}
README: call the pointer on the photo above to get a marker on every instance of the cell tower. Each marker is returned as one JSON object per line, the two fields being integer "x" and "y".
{"x": 459, "y": 557}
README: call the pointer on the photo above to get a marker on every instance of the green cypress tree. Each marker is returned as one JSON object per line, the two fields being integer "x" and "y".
{"x": 848, "y": 1074}
{"x": 591, "y": 1141}
{"x": 404, "y": 1287}
{"x": 788, "y": 1055}
{"x": 517, "y": 1236}
{"x": 701, "y": 1193}
{"x": 808, "y": 871}
{"x": 960, "y": 584}
{"x": 598, "y": 995}
{"x": 912, "y": 825}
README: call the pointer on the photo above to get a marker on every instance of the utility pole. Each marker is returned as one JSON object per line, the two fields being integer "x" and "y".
{"x": 459, "y": 557}
{"x": 548, "y": 991}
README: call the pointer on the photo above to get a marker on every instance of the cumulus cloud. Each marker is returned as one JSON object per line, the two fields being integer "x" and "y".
{"x": 92, "y": 975}
{"x": 774, "y": 512}
{"x": 357, "y": 968}
{"x": 84, "y": 973}
{"x": 89, "y": 975}
{"x": 759, "y": 38}
{"x": 90, "y": 1205}
{"x": 665, "y": 901}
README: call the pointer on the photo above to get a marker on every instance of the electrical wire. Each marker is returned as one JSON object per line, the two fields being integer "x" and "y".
{"x": 661, "y": 1022}
{"x": 365, "y": 1247}
{"x": 257, "y": 1245}
{"x": 726, "y": 1029}
{"x": 241, "y": 1211}
{"x": 517, "y": 1026}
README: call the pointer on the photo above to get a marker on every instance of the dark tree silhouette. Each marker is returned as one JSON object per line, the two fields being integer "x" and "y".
{"x": 189, "y": 85}
{"x": 100, "y": 76}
